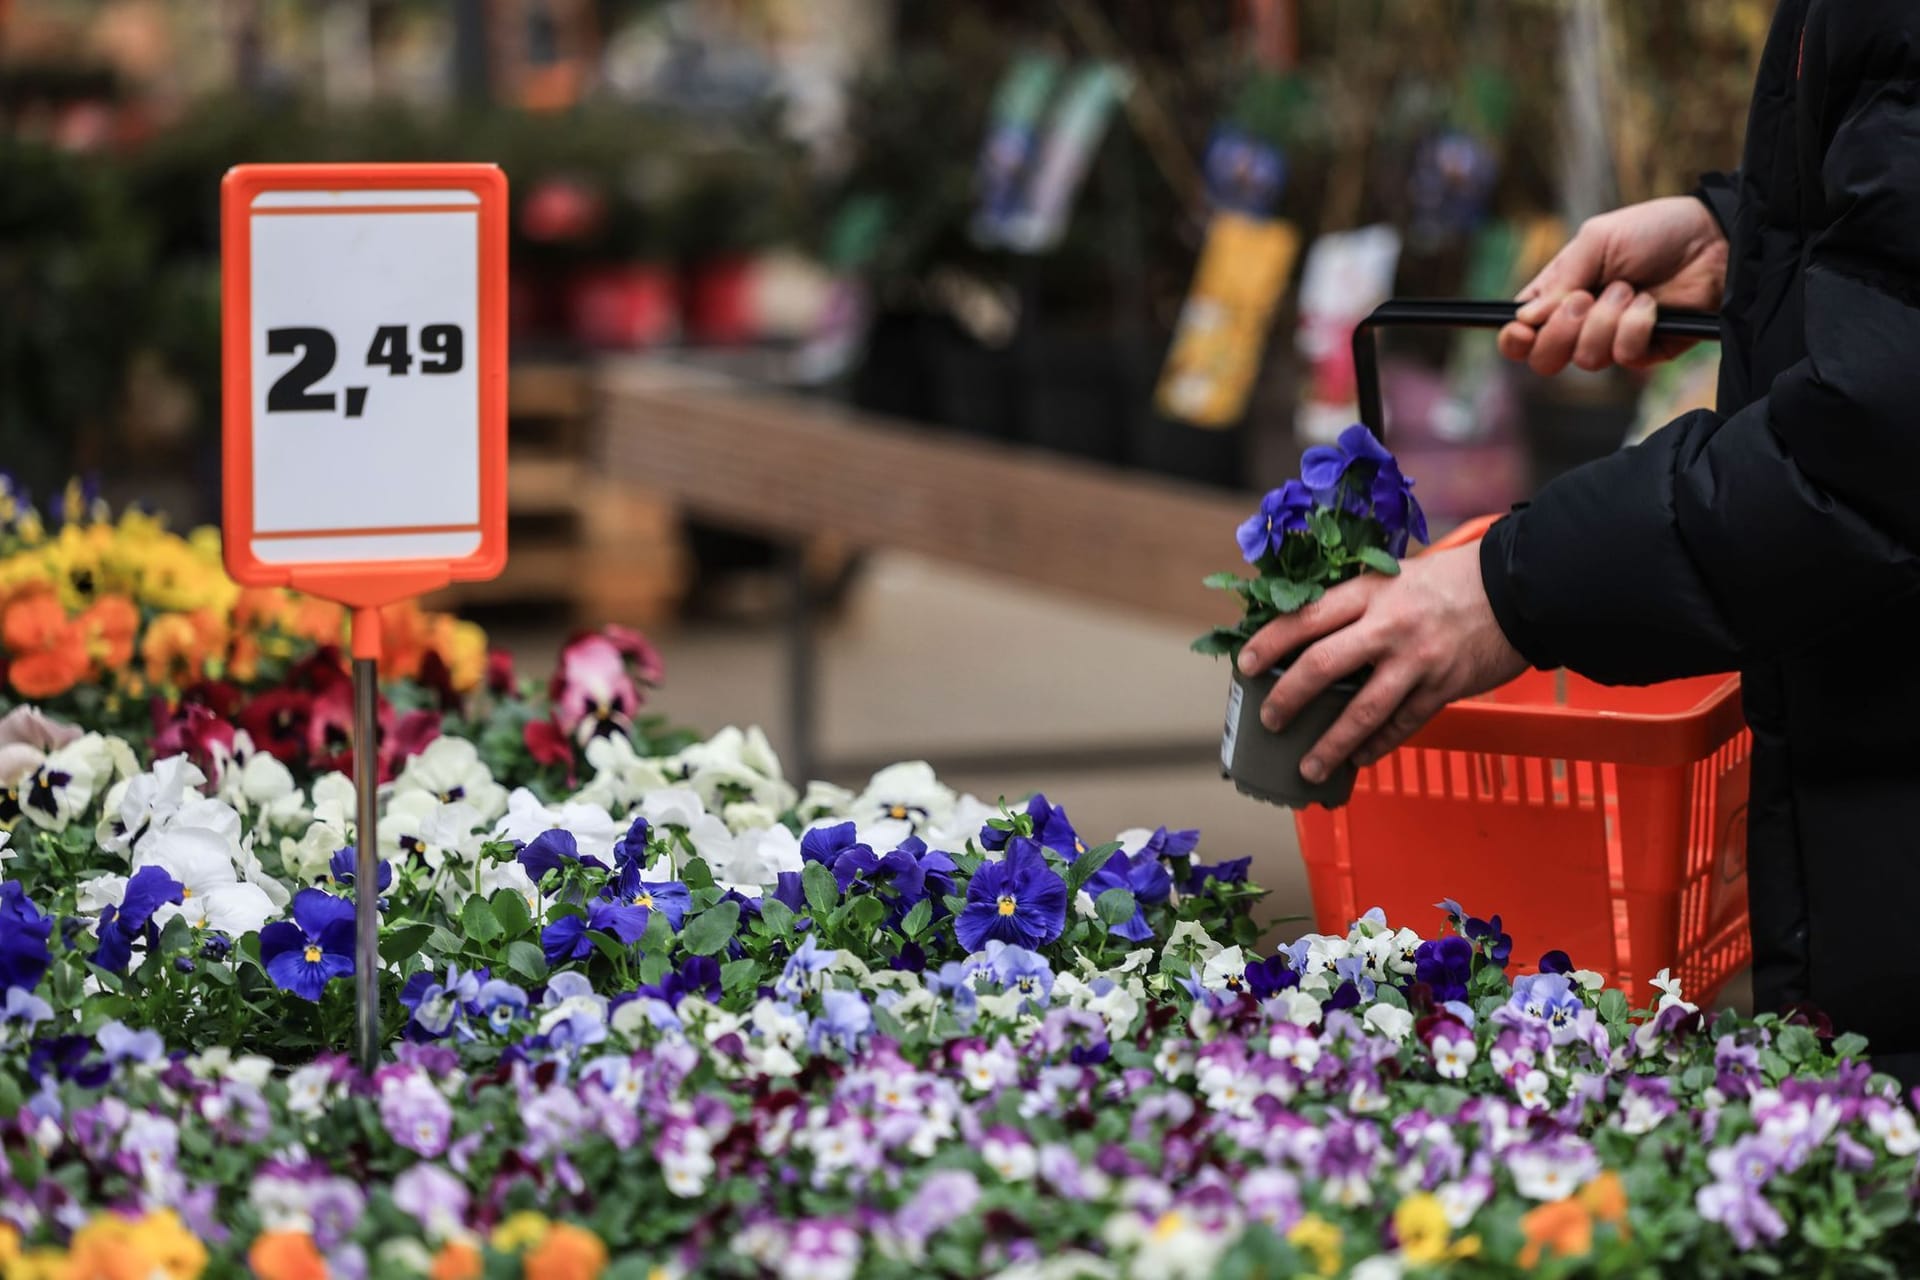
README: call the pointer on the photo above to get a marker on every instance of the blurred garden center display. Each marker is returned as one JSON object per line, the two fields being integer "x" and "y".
{"x": 1052, "y": 292}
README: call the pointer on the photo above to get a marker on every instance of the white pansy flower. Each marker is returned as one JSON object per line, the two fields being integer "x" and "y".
{"x": 264, "y": 787}
{"x": 1297, "y": 1007}
{"x": 1669, "y": 988}
{"x": 418, "y": 824}
{"x": 333, "y": 799}
{"x": 749, "y": 861}
{"x": 673, "y": 807}
{"x": 1895, "y": 1128}
{"x": 450, "y": 770}
{"x": 134, "y": 804}
{"x": 1189, "y": 938}
{"x": 97, "y": 893}
{"x": 748, "y": 815}
{"x": 309, "y": 859}
{"x": 593, "y": 828}
{"x": 1533, "y": 1090}
{"x": 213, "y": 894}
{"x": 254, "y": 872}
{"x": 906, "y": 792}
{"x": 824, "y": 800}
{"x": 970, "y": 813}
{"x": 1225, "y": 970}
{"x": 1173, "y": 1245}
{"x": 1390, "y": 1021}
{"x": 620, "y": 775}
{"x": 60, "y": 787}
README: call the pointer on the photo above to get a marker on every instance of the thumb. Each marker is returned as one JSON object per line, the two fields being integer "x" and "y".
{"x": 1576, "y": 266}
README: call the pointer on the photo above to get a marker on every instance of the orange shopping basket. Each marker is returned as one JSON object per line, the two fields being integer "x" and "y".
{"x": 1606, "y": 822}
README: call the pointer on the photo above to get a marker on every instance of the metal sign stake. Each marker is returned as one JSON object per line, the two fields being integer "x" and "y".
{"x": 366, "y": 868}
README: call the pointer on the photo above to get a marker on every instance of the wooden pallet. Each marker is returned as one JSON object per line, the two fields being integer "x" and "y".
{"x": 578, "y": 544}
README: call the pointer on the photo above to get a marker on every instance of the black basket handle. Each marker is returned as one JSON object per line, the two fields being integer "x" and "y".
{"x": 1458, "y": 313}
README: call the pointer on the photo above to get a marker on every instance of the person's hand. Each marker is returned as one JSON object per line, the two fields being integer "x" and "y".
{"x": 1428, "y": 633}
{"x": 1595, "y": 304}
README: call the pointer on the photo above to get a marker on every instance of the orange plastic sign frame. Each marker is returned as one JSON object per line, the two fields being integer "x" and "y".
{"x": 314, "y": 208}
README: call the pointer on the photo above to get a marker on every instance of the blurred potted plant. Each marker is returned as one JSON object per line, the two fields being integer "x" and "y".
{"x": 1350, "y": 511}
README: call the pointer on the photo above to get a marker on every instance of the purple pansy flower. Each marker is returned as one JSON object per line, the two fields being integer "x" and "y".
{"x": 304, "y": 954}
{"x": 1446, "y": 965}
{"x": 552, "y": 850}
{"x": 1019, "y": 900}
{"x": 1282, "y": 511}
{"x": 121, "y": 927}
{"x": 344, "y": 865}
{"x": 24, "y": 930}
{"x": 566, "y": 938}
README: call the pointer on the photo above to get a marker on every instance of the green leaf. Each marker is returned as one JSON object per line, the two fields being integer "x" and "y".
{"x": 776, "y": 915}
{"x": 607, "y": 945}
{"x": 444, "y": 941}
{"x": 511, "y": 910}
{"x": 477, "y": 918}
{"x": 918, "y": 919}
{"x": 955, "y": 903}
{"x": 1797, "y": 1044}
{"x": 1226, "y": 580}
{"x": 1613, "y": 1005}
{"x": 1115, "y": 906}
{"x": 1850, "y": 1045}
{"x": 739, "y": 975}
{"x": 659, "y": 934}
{"x": 823, "y": 892}
{"x": 1217, "y": 643}
{"x": 711, "y": 930}
{"x": 1379, "y": 560}
{"x": 1291, "y": 597}
{"x": 696, "y": 874}
{"x": 868, "y": 911}
{"x": 527, "y": 960}
{"x": 654, "y": 967}
{"x": 398, "y": 944}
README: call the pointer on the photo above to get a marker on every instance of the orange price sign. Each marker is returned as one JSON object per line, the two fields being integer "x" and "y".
{"x": 364, "y": 351}
{"x": 365, "y": 367}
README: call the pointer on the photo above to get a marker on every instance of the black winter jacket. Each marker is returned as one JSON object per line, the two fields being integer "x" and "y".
{"x": 1780, "y": 536}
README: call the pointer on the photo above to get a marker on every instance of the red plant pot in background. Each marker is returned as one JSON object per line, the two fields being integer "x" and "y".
{"x": 624, "y": 306}
{"x": 529, "y": 305}
{"x": 720, "y": 302}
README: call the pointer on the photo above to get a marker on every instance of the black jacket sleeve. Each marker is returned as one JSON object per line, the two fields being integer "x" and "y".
{"x": 1724, "y": 540}
{"x": 1720, "y": 192}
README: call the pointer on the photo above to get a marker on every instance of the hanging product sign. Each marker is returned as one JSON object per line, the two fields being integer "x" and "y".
{"x": 1013, "y": 130}
{"x": 1347, "y": 275}
{"x": 1073, "y": 137}
{"x": 1249, "y": 255}
{"x": 364, "y": 345}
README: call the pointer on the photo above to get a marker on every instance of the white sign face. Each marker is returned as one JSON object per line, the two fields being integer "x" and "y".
{"x": 370, "y": 427}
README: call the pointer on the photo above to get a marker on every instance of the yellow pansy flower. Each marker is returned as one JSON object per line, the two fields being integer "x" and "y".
{"x": 1320, "y": 1239}
{"x": 519, "y": 1230}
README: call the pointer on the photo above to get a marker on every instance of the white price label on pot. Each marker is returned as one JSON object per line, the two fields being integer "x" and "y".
{"x": 365, "y": 366}
{"x": 1233, "y": 725}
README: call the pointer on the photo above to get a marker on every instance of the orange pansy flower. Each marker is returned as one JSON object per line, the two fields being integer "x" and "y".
{"x": 1563, "y": 1228}
{"x": 49, "y": 653}
{"x": 286, "y": 1255}
{"x": 457, "y": 1260}
{"x": 566, "y": 1253}
{"x": 110, "y": 625}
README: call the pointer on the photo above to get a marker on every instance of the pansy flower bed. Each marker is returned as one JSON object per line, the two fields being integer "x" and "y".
{"x": 651, "y": 1009}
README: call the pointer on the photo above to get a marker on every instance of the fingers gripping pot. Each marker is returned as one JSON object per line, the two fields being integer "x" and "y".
{"x": 1265, "y": 764}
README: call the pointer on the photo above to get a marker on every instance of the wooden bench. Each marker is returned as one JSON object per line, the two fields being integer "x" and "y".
{"x": 796, "y": 468}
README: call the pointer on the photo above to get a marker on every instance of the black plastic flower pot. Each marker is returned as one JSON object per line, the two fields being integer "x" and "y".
{"x": 1266, "y": 765}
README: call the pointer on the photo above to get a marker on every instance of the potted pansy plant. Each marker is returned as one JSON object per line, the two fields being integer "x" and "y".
{"x": 1350, "y": 511}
